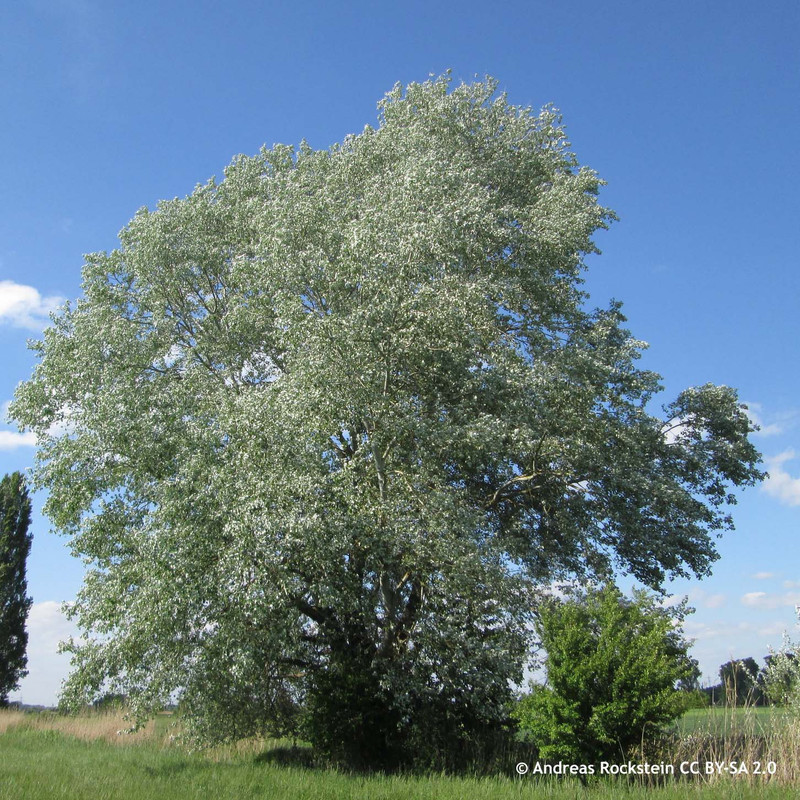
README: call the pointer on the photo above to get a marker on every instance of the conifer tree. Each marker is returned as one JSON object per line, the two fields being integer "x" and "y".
{"x": 15, "y": 544}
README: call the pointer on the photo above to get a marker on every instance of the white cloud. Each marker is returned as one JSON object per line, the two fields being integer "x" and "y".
{"x": 753, "y": 598}
{"x": 675, "y": 429}
{"x": 63, "y": 425}
{"x": 47, "y": 668}
{"x": 699, "y": 597}
{"x": 23, "y": 307}
{"x": 705, "y": 631}
{"x": 9, "y": 440}
{"x": 780, "y": 484}
{"x": 763, "y": 576}
{"x": 755, "y": 412}
{"x": 718, "y": 641}
{"x": 764, "y": 600}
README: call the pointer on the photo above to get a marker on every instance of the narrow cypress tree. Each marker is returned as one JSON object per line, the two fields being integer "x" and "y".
{"x": 15, "y": 544}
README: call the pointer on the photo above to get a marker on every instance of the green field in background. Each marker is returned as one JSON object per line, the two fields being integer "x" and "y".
{"x": 721, "y": 720}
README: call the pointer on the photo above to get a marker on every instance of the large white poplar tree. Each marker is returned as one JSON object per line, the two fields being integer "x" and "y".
{"x": 320, "y": 429}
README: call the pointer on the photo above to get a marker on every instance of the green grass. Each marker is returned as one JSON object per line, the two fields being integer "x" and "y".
{"x": 41, "y": 764}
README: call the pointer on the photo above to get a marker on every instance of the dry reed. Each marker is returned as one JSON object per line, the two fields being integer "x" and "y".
{"x": 748, "y": 747}
{"x": 108, "y": 726}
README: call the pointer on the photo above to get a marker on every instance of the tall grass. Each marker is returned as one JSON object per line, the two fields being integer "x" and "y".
{"x": 761, "y": 744}
{"x": 44, "y": 756}
{"x": 108, "y": 726}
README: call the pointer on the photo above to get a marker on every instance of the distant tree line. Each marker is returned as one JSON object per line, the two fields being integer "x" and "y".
{"x": 743, "y": 683}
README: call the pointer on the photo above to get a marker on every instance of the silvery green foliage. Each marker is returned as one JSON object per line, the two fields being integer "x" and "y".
{"x": 781, "y": 675}
{"x": 352, "y": 401}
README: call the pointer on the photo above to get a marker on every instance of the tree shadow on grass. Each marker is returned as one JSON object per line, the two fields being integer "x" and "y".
{"x": 166, "y": 770}
{"x": 291, "y": 756}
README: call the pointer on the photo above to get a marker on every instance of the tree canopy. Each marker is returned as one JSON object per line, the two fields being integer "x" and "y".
{"x": 341, "y": 412}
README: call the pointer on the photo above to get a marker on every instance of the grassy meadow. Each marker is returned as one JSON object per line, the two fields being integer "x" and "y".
{"x": 47, "y": 756}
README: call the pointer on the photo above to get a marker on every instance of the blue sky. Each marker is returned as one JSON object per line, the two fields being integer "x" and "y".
{"x": 688, "y": 109}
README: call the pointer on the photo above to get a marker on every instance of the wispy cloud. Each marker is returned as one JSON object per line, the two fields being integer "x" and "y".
{"x": 754, "y": 598}
{"x": 780, "y": 484}
{"x": 772, "y": 423}
{"x": 765, "y": 600}
{"x": 763, "y": 576}
{"x": 24, "y": 307}
{"x": 696, "y": 598}
{"x": 718, "y": 641}
{"x": 699, "y": 597}
{"x": 755, "y": 411}
{"x": 703, "y": 631}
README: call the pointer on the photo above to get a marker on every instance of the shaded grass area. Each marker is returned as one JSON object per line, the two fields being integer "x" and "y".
{"x": 40, "y": 763}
